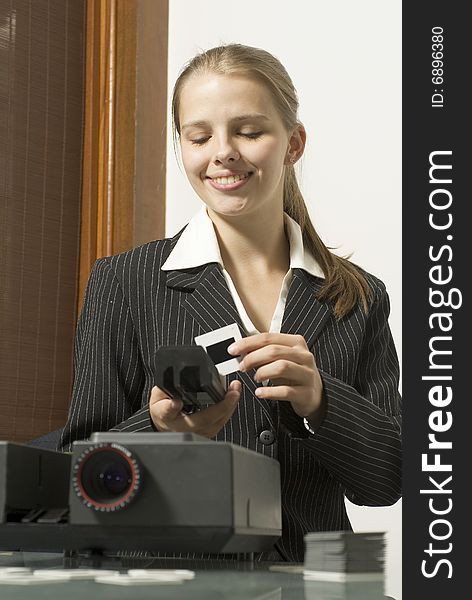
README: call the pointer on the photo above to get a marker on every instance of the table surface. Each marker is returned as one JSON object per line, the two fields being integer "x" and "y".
{"x": 214, "y": 580}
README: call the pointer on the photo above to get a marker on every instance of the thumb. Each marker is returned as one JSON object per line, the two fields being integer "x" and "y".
{"x": 158, "y": 394}
{"x": 234, "y": 391}
{"x": 169, "y": 408}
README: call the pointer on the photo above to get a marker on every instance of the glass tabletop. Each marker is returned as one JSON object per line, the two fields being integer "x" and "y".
{"x": 214, "y": 580}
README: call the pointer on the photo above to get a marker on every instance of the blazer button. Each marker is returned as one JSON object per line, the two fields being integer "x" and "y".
{"x": 267, "y": 437}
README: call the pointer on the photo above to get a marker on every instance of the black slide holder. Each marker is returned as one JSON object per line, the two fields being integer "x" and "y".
{"x": 189, "y": 374}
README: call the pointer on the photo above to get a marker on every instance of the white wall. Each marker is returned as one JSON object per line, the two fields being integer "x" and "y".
{"x": 344, "y": 58}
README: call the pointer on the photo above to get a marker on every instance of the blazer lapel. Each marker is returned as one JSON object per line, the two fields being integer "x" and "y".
{"x": 208, "y": 298}
{"x": 304, "y": 314}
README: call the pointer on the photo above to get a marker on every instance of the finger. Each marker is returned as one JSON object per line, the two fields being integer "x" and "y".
{"x": 157, "y": 394}
{"x": 274, "y": 352}
{"x": 225, "y": 408}
{"x": 297, "y": 396}
{"x": 226, "y": 416}
{"x": 280, "y": 392}
{"x": 305, "y": 400}
{"x": 285, "y": 371}
{"x": 168, "y": 410}
{"x": 216, "y": 413}
{"x": 253, "y": 342}
{"x": 232, "y": 396}
{"x": 234, "y": 386}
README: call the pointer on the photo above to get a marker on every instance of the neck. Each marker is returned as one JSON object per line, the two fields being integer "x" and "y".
{"x": 253, "y": 246}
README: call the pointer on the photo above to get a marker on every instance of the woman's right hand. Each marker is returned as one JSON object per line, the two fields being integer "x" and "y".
{"x": 167, "y": 414}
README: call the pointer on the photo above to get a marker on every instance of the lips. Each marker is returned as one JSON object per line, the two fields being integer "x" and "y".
{"x": 229, "y": 182}
{"x": 230, "y": 178}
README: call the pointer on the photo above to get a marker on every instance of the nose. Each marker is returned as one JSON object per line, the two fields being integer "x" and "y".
{"x": 226, "y": 152}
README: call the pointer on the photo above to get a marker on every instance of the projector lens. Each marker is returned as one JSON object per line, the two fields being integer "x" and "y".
{"x": 106, "y": 477}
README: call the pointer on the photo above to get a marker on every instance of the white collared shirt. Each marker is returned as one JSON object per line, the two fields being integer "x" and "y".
{"x": 198, "y": 245}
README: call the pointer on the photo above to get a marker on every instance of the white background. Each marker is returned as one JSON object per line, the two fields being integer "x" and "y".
{"x": 344, "y": 58}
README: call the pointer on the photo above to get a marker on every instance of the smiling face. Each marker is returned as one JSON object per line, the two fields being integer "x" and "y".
{"x": 234, "y": 144}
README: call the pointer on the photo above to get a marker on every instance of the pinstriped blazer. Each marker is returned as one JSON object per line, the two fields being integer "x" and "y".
{"x": 132, "y": 307}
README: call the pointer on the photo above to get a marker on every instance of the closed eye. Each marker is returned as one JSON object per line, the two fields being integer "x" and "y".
{"x": 252, "y": 136}
{"x": 200, "y": 141}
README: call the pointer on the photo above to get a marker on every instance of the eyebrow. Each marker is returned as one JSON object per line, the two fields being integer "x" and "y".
{"x": 235, "y": 120}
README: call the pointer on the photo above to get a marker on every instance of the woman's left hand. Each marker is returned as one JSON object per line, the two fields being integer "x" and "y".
{"x": 286, "y": 360}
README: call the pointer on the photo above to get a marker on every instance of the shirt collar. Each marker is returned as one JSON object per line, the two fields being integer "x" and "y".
{"x": 198, "y": 246}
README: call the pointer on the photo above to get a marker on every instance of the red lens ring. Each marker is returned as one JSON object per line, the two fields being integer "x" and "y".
{"x": 122, "y": 501}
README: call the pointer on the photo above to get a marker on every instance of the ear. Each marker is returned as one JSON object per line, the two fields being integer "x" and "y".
{"x": 297, "y": 143}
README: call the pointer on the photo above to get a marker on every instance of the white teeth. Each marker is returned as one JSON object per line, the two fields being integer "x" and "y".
{"x": 230, "y": 179}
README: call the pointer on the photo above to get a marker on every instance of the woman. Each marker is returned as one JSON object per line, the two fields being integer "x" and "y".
{"x": 318, "y": 384}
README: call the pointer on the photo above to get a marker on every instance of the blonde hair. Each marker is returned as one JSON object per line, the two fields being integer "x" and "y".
{"x": 344, "y": 285}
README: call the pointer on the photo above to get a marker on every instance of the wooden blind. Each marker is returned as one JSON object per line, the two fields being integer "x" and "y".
{"x": 41, "y": 118}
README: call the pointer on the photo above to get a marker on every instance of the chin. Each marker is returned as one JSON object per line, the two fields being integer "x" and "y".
{"x": 228, "y": 207}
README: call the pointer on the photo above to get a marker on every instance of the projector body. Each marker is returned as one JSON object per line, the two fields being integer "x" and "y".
{"x": 190, "y": 490}
{"x": 161, "y": 492}
{"x": 31, "y": 478}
